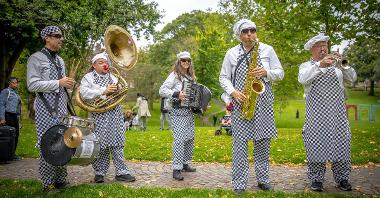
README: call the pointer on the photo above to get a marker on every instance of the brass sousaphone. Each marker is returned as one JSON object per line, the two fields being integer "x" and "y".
{"x": 122, "y": 52}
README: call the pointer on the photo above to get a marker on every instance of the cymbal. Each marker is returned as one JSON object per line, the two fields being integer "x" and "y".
{"x": 72, "y": 137}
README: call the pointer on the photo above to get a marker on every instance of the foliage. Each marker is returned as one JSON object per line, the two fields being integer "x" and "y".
{"x": 364, "y": 56}
{"x": 32, "y": 188}
{"x": 82, "y": 26}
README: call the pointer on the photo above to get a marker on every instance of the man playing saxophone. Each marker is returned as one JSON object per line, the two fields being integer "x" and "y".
{"x": 109, "y": 125}
{"x": 236, "y": 73}
{"x": 326, "y": 133}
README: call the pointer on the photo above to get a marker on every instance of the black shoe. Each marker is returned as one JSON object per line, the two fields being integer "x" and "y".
{"x": 125, "y": 178}
{"x": 99, "y": 179}
{"x": 264, "y": 186}
{"x": 49, "y": 189}
{"x": 239, "y": 191}
{"x": 60, "y": 185}
{"x": 317, "y": 186}
{"x": 188, "y": 168}
{"x": 17, "y": 158}
{"x": 177, "y": 175}
{"x": 344, "y": 185}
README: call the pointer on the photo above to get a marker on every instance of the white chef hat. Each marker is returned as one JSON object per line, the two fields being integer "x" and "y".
{"x": 183, "y": 54}
{"x": 320, "y": 37}
{"x": 102, "y": 55}
{"x": 241, "y": 25}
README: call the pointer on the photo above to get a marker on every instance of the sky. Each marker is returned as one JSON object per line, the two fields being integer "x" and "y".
{"x": 174, "y": 8}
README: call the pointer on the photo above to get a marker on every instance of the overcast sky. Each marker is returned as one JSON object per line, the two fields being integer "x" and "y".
{"x": 174, "y": 8}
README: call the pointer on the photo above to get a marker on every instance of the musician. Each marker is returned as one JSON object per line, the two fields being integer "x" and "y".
{"x": 109, "y": 126}
{"x": 326, "y": 133}
{"x": 182, "y": 118}
{"x": 261, "y": 128}
{"x": 46, "y": 76}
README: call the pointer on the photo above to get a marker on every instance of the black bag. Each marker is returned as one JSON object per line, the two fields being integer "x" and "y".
{"x": 7, "y": 143}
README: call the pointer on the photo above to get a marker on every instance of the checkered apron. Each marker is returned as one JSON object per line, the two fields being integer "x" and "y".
{"x": 183, "y": 126}
{"x": 261, "y": 129}
{"x": 109, "y": 125}
{"x": 326, "y": 133}
{"x": 110, "y": 129}
{"x": 44, "y": 120}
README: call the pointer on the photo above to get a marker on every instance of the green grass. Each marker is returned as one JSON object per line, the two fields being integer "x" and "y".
{"x": 32, "y": 188}
{"x": 155, "y": 145}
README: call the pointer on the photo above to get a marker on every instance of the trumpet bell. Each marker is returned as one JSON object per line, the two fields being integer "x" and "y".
{"x": 120, "y": 47}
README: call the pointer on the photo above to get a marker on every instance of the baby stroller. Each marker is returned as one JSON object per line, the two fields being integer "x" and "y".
{"x": 225, "y": 123}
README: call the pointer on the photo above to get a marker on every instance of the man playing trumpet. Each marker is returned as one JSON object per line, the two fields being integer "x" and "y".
{"x": 109, "y": 125}
{"x": 326, "y": 133}
{"x": 236, "y": 69}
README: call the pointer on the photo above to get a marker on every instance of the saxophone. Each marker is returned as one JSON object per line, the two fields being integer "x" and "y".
{"x": 252, "y": 87}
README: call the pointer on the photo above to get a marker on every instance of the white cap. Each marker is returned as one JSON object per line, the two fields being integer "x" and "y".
{"x": 102, "y": 55}
{"x": 183, "y": 54}
{"x": 241, "y": 25}
{"x": 320, "y": 37}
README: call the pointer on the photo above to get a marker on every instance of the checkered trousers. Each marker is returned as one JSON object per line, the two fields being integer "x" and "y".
{"x": 109, "y": 126}
{"x": 341, "y": 170}
{"x": 183, "y": 127}
{"x": 44, "y": 120}
{"x": 326, "y": 133}
{"x": 102, "y": 162}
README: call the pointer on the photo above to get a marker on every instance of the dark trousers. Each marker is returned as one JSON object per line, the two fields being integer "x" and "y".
{"x": 11, "y": 119}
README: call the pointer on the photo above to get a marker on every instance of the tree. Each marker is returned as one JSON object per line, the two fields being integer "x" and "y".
{"x": 83, "y": 26}
{"x": 364, "y": 57}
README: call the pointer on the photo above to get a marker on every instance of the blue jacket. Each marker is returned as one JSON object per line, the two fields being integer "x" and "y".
{"x": 10, "y": 102}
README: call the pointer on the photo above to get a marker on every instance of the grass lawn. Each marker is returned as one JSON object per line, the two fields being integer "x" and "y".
{"x": 155, "y": 145}
{"x": 32, "y": 188}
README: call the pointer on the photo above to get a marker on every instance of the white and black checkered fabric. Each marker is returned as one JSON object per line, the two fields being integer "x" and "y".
{"x": 109, "y": 127}
{"x": 51, "y": 174}
{"x": 44, "y": 120}
{"x": 261, "y": 129}
{"x": 183, "y": 127}
{"x": 49, "y": 30}
{"x": 341, "y": 171}
{"x": 240, "y": 164}
{"x": 326, "y": 133}
{"x": 102, "y": 163}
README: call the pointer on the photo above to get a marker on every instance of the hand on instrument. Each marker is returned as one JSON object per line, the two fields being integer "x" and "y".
{"x": 259, "y": 72}
{"x": 239, "y": 96}
{"x": 2, "y": 122}
{"x": 111, "y": 88}
{"x": 182, "y": 96}
{"x": 66, "y": 82}
{"x": 326, "y": 62}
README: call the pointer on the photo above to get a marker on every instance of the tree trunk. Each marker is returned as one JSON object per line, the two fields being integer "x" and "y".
{"x": 372, "y": 88}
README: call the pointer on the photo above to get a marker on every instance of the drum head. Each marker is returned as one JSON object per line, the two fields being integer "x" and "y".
{"x": 53, "y": 148}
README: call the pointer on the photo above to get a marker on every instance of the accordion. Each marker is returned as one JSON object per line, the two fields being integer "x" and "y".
{"x": 197, "y": 96}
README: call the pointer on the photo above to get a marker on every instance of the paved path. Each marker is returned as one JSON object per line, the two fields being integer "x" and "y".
{"x": 365, "y": 180}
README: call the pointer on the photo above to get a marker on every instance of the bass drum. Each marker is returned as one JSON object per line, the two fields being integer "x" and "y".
{"x": 80, "y": 135}
{"x": 70, "y": 142}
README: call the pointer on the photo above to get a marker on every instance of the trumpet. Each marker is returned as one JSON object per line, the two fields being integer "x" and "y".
{"x": 340, "y": 62}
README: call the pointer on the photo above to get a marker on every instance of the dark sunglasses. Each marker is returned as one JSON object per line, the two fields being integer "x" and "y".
{"x": 186, "y": 60}
{"x": 252, "y": 30}
{"x": 56, "y": 35}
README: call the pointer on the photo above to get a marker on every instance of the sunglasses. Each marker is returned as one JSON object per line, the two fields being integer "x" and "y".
{"x": 56, "y": 35}
{"x": 252, "y": 30}
{"x": 186, "y": 60}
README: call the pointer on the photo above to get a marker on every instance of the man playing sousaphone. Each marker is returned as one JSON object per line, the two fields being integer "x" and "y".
{"x": 249, "y": 62}
{"x": 326, "y": 133}
{"x": 109, "y": 125}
